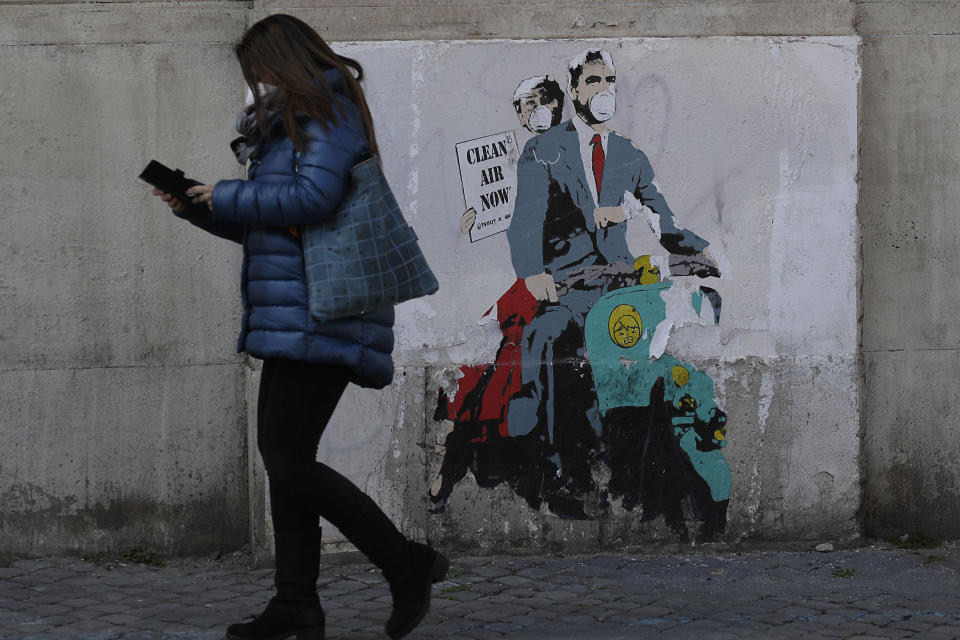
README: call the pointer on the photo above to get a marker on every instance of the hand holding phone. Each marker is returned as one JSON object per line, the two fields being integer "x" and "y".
{"x": 169, "y": 181}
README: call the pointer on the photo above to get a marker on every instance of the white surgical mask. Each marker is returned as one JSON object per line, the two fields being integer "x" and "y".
{"x": 604, "y": 104}
{"x": 541, "y": 119}
{"x": 263, "y": 90}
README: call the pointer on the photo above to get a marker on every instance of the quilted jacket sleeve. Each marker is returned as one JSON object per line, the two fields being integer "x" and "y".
{"x": 308, "y": 194}
{"x": 202, "y": 219}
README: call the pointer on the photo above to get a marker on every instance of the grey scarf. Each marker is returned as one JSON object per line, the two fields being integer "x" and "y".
{"x": 250, "y": 135}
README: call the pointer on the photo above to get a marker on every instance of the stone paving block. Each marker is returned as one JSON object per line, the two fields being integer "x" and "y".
{"x": 797, "y": 612}
{"x": 591, "y": 602}
{"x": 368, "y": 577}
{"x": 120, "y": 618}
{"x": 642, "y": 599}
{"x": 11, "y": 605}
{"x": 481, "y": 633}
{"x": 25, "y": 630}
{"x": 932, "y": 619}
{"x": 514, "y": 580}
{"x": 910, "y": 625}
{"x": 49, "y": 609}
{"x": 859, "y": 626}
{"x": 45, "y": 598}
{"x": 74, "y": 615}
{"x": 771, "y": 622}
{"x": 605, "y": 595}
{"x": 490, "y": 571}
{"x": 485, "y": 615}
{"x": 560, "y": 594}
{"x": 486, "y": 588}
{"x": 81, "y": 626}
{"x": 536, "y": 602}
{"x": 205, "y": 622}
{"x": 651, "y": 611}
{"x": 875, "y": 619}
{"x": 620, "y": 619}
{"x": 535, "y": 573}
{"x": 888, "y": 632}
{"x": 836, "y": 632}
{"x": 717, "y": 635}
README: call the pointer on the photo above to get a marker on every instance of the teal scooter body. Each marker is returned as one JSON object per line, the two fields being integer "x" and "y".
{"x": 618, "y": 332}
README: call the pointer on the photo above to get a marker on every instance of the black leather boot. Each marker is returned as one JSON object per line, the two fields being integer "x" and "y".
{"x": 410, "y": 568}
{"x": 410, "y": 587}
{"x": 295, "y": 611}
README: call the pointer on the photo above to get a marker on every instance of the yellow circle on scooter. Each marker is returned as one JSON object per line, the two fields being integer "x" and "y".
{"x": 625, "y": 326}
{"x": 681, "y": 375}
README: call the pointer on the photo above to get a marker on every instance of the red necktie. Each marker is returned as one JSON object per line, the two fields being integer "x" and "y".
{"x": 598, "y": 159}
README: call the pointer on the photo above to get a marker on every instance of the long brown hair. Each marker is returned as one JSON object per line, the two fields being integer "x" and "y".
{"x": 284, "y": 51}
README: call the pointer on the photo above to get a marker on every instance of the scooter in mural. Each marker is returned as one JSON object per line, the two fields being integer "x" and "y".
{"x": 663, "y": 432}
{"x": 660, "y": 432}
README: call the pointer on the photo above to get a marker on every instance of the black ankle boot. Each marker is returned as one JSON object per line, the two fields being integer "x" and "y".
{"x": 410, "y": 587}
{"x": 409, "y": 567}
{"x": 295, "y": 611}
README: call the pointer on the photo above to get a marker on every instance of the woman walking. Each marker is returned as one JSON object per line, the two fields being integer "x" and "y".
{"x": 308, "y": 124}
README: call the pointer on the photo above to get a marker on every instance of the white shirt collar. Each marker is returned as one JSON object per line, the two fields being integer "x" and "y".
{"x": 585, "y": 133}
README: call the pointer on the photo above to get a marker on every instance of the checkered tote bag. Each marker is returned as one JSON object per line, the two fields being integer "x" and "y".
{"x": 365, "y": 256}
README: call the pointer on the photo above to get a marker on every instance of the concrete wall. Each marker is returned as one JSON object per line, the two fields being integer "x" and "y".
{"x": 128, "y": 413}
{"x": 909, "y": 197}
{"x": 124, "y": 420}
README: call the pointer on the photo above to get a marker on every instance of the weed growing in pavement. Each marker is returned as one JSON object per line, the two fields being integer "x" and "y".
{"x": 844, "y": 572}
{"x": 6, "y": 560}
{"x": 916, "y": 540}
{"x": 141, "y": 555}
{"x": 454, "y": 589}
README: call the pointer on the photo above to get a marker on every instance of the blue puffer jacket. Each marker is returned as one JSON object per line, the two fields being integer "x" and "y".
{"x": 284, "y": 191}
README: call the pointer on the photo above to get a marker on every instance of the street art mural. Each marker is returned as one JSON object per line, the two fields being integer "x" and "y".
{"x": 583, "y": 407}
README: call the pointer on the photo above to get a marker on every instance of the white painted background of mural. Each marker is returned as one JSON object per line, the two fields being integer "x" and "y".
{"x": 753, "y": 141}
{"x": 754, "y": 144}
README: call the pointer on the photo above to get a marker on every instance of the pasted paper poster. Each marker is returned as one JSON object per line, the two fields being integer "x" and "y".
{"x": 488, "y": 172}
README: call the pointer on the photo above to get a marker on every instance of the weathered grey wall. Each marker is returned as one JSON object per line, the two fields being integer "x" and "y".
{"x": 127, "y": 413}
{"x": 908, "y": 209}
{"x": 123, "y": 415}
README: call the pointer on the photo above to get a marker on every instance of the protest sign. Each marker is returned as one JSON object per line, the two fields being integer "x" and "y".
{"x": 488, "y": 173}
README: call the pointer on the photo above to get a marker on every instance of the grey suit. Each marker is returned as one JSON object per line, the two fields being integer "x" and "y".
{"x": 552, "y": 227}
{"x": 553, "y": 230}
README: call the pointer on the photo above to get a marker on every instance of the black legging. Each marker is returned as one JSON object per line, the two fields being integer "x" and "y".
{"x": 294, "y": 406}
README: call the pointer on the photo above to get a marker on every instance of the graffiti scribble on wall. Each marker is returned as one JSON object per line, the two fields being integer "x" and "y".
{"x": 582, "y": 406}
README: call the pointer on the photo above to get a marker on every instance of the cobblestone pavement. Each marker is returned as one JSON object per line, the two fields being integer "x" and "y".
{"x": 874, "y": 592}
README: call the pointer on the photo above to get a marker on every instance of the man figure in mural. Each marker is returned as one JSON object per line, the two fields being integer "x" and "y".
{"x": 538, "y": 101}
{"x": 576, "y": 184}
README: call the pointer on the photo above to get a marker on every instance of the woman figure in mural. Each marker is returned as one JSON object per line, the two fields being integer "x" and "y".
{"x": 578, "y": 184}
{"x": 307, "y": 123}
